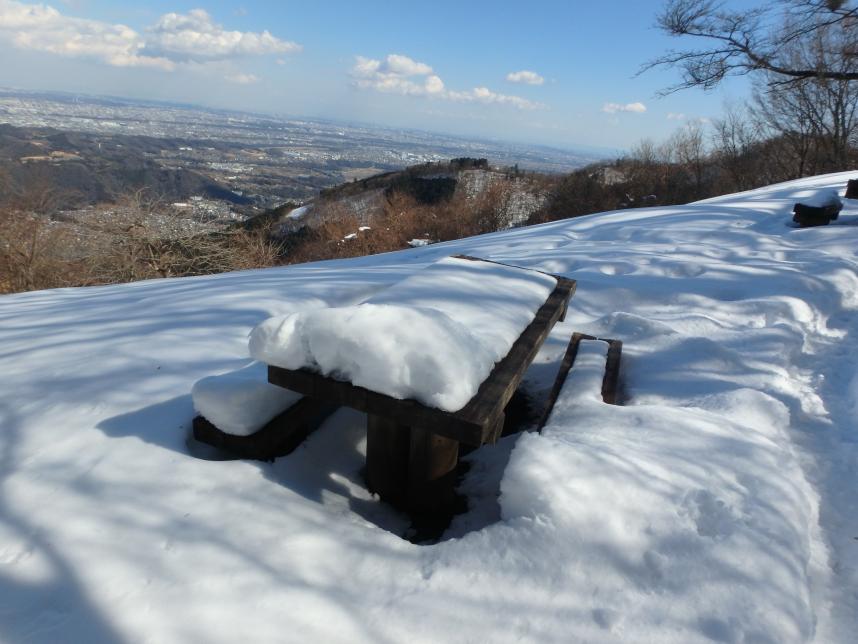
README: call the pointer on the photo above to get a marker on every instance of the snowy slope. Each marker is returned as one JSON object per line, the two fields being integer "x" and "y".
{"x": 717, "y": 504}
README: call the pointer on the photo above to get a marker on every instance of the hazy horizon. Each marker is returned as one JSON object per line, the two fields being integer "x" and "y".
{"x": 561, "y": 147}
{"x": 553, "y": 74}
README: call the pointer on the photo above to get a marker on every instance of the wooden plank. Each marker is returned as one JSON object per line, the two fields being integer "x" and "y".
{"x": 609, "y": 381}
{"x": 807, "y": 216}
{"x": 476, "y": 420}
{"x": 495, "y": 392}
{"x": 279, "y": 437}
{"x": 612, "y": 372}
{"x": 565, "y": 367}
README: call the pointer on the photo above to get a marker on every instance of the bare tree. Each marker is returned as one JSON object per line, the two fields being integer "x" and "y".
{"x": 740, "y": 42}
{"x": 736, "y": 141}
{"x": 816, "y": 118}
{"x": 689, "y": 146}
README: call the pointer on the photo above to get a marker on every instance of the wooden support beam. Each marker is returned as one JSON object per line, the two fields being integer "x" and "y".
{"x": 431, "y": 472}
{"x": 387, "y": 454}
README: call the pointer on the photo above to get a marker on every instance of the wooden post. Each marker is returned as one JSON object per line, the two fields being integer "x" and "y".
{"x": 387, "y": 455}
{"x": 497, "y": 431}
{"x": 852, "y": 189}
{"x": 431, "y": 472}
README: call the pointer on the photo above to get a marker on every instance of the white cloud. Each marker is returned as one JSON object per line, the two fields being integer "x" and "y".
{"x": 613, "y": 108}
{"x": 398, "y": 74}
{"x": 404, "y": 66}
{"x": 43, "y": 28}
{"x": 675, "y": 116}
{"x": 196, "y": 36}
{"x": 175, "y": 39}
{"x": 485, "y": 95}
{"x": 525, "y": 76}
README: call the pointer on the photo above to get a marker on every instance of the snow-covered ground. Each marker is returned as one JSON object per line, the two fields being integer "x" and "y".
{"x": 719, "y": 503}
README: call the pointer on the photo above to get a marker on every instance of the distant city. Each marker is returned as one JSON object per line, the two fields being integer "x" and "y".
{"x": 265, "y": 159}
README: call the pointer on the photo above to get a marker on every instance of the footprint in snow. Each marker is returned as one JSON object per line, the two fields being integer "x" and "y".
{"x": 617, "y": 269}
{"x": 686, "y": 269}
{"x": 713, "y": 517}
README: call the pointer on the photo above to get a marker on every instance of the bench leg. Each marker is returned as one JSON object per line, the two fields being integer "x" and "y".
{"x": 431, "y": 472}
{"x": 497, "y": 430}
{"x": 387, "y": 454}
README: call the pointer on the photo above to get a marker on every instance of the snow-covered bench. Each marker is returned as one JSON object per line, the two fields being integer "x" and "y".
{"x": 818, "y": 210}
{"x": 433, "y": 360}
{"x": 597, "y": 373}
{"x": 240, "y": 412}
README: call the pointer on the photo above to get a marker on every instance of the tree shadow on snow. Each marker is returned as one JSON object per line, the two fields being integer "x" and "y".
{"x": 327, "y": 468}
{"x": 52, "y": 606}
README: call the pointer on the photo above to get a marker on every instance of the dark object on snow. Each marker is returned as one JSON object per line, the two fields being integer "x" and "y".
{"x": 851, "y": 189}
{"x": 806, "y": 216}
{"x": 412, "y": 450}
{"x": 609, "y": 381}
{"x": 279, "y": 437}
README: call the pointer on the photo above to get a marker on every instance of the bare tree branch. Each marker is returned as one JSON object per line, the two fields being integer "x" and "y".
{"x": 751, "y": 41}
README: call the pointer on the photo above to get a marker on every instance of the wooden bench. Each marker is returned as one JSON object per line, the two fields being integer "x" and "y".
{"x": 279, "y": 437}
{"x": 609, "y": 381}
{"x": 806, "y": 216}
{"x": 412, "y": 449}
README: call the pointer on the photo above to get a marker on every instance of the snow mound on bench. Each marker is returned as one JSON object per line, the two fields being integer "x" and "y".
{"x": 584, "y": 382}
{"x": 241, "y": 402}
{"x": 434, "y": 337}
{"x": 819, "y": 198}
{"x": 404, "y": 352}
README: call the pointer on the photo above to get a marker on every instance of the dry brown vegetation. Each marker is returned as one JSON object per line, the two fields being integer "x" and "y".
{"x": 129, "y": 243}
{"x": 402, "y": 218}
{"x": 38, "y": 252}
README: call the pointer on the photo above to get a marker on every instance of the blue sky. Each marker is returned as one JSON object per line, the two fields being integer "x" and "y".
{"x": 446, "y": 66}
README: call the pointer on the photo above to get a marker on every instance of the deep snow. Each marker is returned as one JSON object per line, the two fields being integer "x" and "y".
{"x": 718, "y": 503}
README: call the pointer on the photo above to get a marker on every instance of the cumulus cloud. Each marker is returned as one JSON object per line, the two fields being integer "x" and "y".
{"x": 525, "y": 76}
{"x": 675, "y": 116}
{"x": 613, "y": 108}
{"x": 43, "y": 28}
{"x": 398, "y": 74}
{"x": 173, "y": 40}
{"x": 195, "y": 35}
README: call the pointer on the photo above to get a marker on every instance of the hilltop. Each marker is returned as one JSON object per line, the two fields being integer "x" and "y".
{"x": 717, "y": 503}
